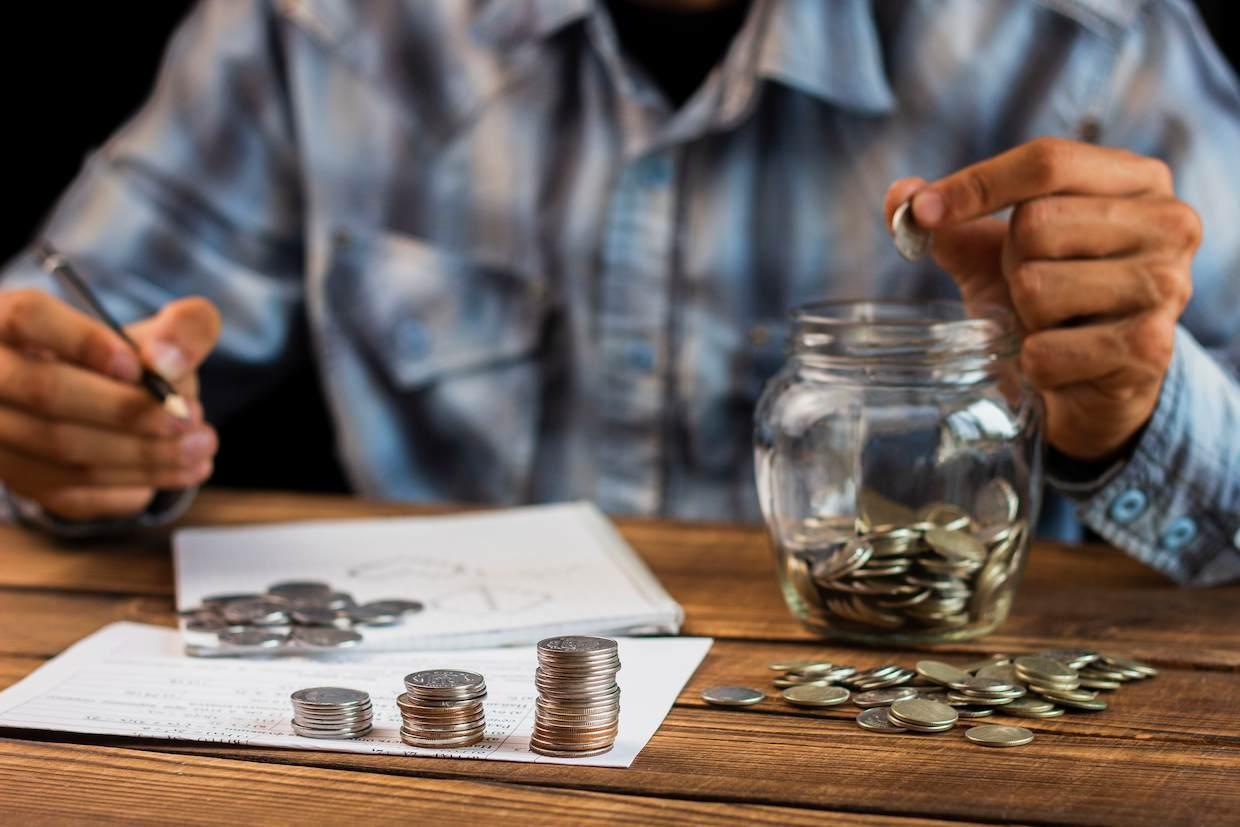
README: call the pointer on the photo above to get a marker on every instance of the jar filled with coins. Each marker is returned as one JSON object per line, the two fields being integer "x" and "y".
{"x": 898, "y": 460}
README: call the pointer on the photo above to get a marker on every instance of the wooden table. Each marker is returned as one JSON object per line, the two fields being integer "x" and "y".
{"x": 1167, "y": 752}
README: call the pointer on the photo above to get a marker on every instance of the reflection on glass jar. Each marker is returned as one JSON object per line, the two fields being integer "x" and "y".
{"x": 898, "y": 457}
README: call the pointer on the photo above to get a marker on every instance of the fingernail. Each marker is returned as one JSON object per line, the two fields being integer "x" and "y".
{"x": 168, "y": 361}
{"x": 197, "y": 445}
{"x": 928, "y": 208}
{"x": 124, "y": 366}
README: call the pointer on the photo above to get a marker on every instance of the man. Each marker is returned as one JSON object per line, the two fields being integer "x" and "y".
{"x": 545, "y": 248}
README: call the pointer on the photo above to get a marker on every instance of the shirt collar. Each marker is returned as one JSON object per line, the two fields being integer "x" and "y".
{"x": 829, "y": 49}
{"x": 826, "y": 48}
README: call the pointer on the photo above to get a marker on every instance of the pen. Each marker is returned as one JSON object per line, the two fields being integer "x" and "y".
{"x": 59, "y": 267}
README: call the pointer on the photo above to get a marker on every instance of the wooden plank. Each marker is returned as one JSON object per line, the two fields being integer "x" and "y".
{"x": 45, "y": 623}
{"x": 753, "y": 758}
{"x": 45, "y": 782}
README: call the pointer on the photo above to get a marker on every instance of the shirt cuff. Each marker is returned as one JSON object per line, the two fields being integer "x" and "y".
{"x": 1175, "y": 503}
{"x": 166, "y": 507}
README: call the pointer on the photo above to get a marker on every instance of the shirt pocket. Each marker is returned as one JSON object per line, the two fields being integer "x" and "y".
{"x": 425, "y": 314}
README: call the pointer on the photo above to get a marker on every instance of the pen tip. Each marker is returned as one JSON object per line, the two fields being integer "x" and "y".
{"x": 176, "y": 405}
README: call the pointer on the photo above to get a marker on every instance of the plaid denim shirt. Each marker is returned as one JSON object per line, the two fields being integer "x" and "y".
{"x": 526, "y": 277}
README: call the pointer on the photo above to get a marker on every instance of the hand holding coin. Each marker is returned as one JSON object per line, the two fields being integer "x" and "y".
{"x": 1095, "y": 262}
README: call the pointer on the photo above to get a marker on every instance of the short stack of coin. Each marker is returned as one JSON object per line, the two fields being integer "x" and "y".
{"x": 331, "y": 712}
{"x": 578, "y": 709}
{"x": 890, "y": 568}
{"x": 442, "y": 709}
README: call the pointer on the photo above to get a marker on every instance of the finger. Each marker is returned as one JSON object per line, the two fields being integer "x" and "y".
{"x": 178, "y": 338}
{"x": 23, "y": 473}
{"x": 971, "y": 253}
{"x": 60, "y": 391}
{"x": 1041, "y": 167}
{"x": 900, "y": 191}
{"x": 67, "y": 443}
{"x": 1127, "y": 353}
{"x": 1048, "y": 293}
{"x": 95, "y": 503}
{"x": 36, "y": 321}
{"x": 1073, "y": 226}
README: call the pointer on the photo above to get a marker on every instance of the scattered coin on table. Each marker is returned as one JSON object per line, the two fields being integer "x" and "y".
{"x": 816, "y": 695}
{"x": 996, "y": 735}
{"x": 291, "y": 616}
{"x": 733, "y": 696}
{"x": 931, "y": 697}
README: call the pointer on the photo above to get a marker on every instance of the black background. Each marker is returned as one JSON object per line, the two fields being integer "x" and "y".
{"x": 70, "y": 73}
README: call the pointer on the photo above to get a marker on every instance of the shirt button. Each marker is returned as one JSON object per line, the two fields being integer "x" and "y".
{"x": 1178, "y": 533}
{"x": 412, "y": 339}
{"x": 1128, "y": 506}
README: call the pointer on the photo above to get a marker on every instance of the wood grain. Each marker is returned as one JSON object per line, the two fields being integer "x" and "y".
{"x": 756, "y": 758}
{"x": 55, "y": 782}
{"x": 1167, "y": 752}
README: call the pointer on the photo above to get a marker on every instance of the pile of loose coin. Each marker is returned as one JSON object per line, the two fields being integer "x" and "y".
{"x": 331, "y": 712}
{"x": 293, "y": 615}
{"x": 578, "y": 709}
{"x": 934, "y": 570}
{"x": 934, "y": 696}
{"x": 442, "y": 709}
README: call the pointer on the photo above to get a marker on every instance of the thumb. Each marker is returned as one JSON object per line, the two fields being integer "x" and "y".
{"x": 972, "y": 254}
{"x": 178, "y": 338}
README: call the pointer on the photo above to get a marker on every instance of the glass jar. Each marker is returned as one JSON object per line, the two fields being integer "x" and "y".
{"x": 898, "y": 459}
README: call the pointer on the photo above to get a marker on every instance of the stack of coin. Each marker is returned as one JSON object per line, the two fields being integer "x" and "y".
{"x": 291, "y": 615}
{"x": 578, "y": 709}
{"x": 891, "y": 568}
{"x": 921, "y": 715}
{"x": 442, "y": 709}
{"x": 331, "y": 712}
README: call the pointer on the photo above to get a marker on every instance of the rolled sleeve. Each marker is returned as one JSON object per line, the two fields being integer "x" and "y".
{"x": 1175, "y": 504}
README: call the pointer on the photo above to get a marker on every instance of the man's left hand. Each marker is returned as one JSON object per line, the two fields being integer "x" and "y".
{"x": 1094, "y": 260}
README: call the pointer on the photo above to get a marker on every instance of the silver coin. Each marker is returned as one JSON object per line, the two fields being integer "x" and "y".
{"x": 319, "y": 617}
{"x": 325, "y": 637}
{"x": 956, "y": 545}
{"x": 941, "y": 673}
{"x": 399, "y": 607}
{"x": 219, "y": 601}
{"x": 876, "y": 720}
{"x": 299, "y": 588}
{"x": 260, "y": 611}
{"x": 257, "y": 637}
{"x": 367, "y": 615}
{"x": 998, "y": 735}
{"x": 1040, "y": 667}
{"x": 997, "y": 503}
{"x": 921, "y": 712}
{"x": 1129, "y": 665}
{"x": 330, "y": 696}
{"x": 733, "y": 696}
{"x": 816, "y": 695}
{"x": 884, "y": 697}
{"x": 332, "y": 735}
{"x": 578, "y": 645}
{"x": 452, "y": 680}
{"x": 911, "y": 241}
{"x": 973, "y": 711}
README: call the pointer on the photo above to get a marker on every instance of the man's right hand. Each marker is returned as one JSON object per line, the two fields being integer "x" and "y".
{"x": 78, "y": 435}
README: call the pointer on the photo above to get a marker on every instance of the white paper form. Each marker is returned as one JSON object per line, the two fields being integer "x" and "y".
{"x": 131, "y": 679}
{"x": 486, "y": 579}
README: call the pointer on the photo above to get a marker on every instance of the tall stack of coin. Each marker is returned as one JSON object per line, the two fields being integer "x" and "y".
{"x": 331, "y": 712}
{"x": 442, "y": 709}
{"x": 578, "y": 710}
